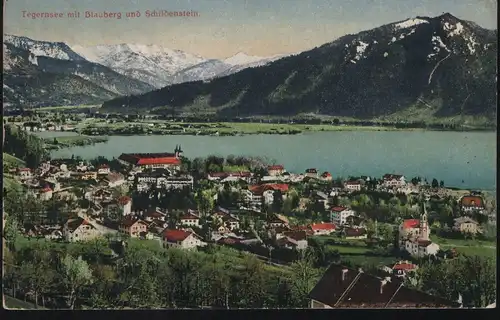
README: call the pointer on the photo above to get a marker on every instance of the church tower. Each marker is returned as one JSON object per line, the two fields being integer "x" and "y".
{"x": 424, "y": 226}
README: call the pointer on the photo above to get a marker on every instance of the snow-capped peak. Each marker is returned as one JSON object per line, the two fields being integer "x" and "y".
{"x": 409, "y": 23}
{"x": 57, "y": 50}
{"x": 242, "y": 58}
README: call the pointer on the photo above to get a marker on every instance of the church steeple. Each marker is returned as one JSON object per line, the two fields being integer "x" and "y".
{"x": 424, "y": 225}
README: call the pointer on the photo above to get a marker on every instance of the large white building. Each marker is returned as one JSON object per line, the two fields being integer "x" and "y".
{"x": 181, "y": 239}
{"x": 339, "y": 215}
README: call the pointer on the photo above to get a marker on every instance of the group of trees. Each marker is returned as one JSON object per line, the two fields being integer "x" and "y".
{"x": 85, "y": 276}
{"x": 25, "y": 146}
{"x": 471, "y": 278}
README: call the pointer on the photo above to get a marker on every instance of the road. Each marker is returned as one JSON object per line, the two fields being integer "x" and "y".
{"x": 102, "y": 229}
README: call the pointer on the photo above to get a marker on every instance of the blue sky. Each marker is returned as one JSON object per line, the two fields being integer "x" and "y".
{"x": 225, "y": 27}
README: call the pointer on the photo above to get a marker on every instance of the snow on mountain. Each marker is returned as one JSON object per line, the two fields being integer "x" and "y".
{"x": 203, "y": 71}
{"x": 409, "y": 23}
{"x": 153, "y": 64}
{"x": 57, "y": 50}
{"x": 242, "y": 58}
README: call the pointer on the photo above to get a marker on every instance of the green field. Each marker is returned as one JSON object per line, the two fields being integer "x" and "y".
{"x": 468, "y": 247}
{"x": 12, "y": 161}
{"x": 13, "y": 303}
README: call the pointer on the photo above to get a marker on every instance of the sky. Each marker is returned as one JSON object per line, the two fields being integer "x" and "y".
{"x": 226, "y": 27}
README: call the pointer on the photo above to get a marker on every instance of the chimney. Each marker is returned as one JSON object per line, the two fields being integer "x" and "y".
{"x": 360, "y": 270}
{"x": 383, "y": 283}
{"x": 344, "y": 272}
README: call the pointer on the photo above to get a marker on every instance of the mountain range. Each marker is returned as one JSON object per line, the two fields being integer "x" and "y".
{"x": 417, "y": 68}
{"x": 43, "y": 73}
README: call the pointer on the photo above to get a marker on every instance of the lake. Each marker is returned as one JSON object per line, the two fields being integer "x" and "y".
{"x": 460, "y": 159}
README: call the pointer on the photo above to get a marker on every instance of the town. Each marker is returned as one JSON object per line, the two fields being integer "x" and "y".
{"x": 386, "y": 225}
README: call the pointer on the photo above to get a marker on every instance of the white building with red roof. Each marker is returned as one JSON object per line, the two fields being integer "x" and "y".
{"x": 173, "y": 238}
{"x": 323, "y": 228}
{"x": 275, "y": 170}
{"x": 79, "y": 229}
{"x": 353, "y": 185}
{"x": 46, "y": 193}
{"x": 152, "y": 160}
{"x": 103, "y": 169}
{"x": 472, "y": 203}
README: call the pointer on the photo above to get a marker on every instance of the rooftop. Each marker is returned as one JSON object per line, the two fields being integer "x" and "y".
{"x": 342, "y": 287}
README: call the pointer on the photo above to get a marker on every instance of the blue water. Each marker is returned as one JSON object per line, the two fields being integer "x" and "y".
{"x": 460, "y": 159}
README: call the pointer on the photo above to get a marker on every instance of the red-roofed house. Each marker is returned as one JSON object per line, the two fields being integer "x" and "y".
{"x": 409, "y": 228}
{"x": 275, "y": 170}
{"x": 79, "y": 229}
{"x": 323, "y": 228}
{"x": 472, "y": 203}
{"x": 133, "y": 227}
{"x": 46, "y": 193}
{"x": 181, "y": 239}
{"x": 402, "y": 268}
{"x": 125, "y": 205}
{"x": 190, "y": 219}
{"x": 103, "y": 169}
{"x": 256, "y": 193}
{"x": 326, "y": 176}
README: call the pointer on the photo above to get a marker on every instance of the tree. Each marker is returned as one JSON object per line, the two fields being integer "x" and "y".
{"x": 441, "y": 184}
{"x": 76, "y": 275}
{"x": 304, "y": 279}
{"x": 435, "y": 183}
{"x": 11, "y": 232}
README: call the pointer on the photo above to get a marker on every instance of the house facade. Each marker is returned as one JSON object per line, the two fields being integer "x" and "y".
{"x": 393, "y": 180}
{"x": 323, "y": 228}
{"x": 352, "y": 186}
{"x": 173, "y": 238}
{"x": 339, "y": 215}
{"x": 190, "y": 220}
{"x": 466, "y": 225}
{"x": 471, "y": 204}
{"x": 79, "y": 229}
{"x": 276, "y": 170}
{"x": 133, "y": 227}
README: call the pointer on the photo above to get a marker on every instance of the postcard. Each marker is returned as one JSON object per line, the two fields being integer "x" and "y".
{"x": 317, "y": 154}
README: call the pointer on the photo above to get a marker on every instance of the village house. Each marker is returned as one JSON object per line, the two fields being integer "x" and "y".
{"x": 277, "y": 220}
{"x": 275, "y": 170}
{"x": 230, "y": 222}
{"x": 103, "y": 169}
{"x": 351, "y": 233}
{"x": 312, "y": 173}
{"x": 339, "y": 215}
{"x": 152, "y": 215}
{"x": 190, "y": 219}
{"x": 256, "y": 194}
{"x": 323, "y": 198}
{"x": 24, "y": 173}
{"x": 346, "y": 288}
{"x": 53, "y": 234}
{"x": 472, "y": 204}
{"x": 323, "y": 228}
{"x": 182, "y": 239}
{"x": 124, "y": 205}
{"x": 78, "y": 229}
{"x": 466, "y": 225}
{"x": 46, "y": 193}
{"x": 293, "y": 239}
{"x": 399, "y": 270}
{"x": 327, "y": 176}
{"x": 133, "y": 227}
{"x": 336, "y": 191}
{"x": 82, "y": 167}
{"x": 393, "y": 180}
{"x": 353, "y": 185}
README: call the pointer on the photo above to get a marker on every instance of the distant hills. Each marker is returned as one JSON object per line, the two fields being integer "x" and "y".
{"x": 420, "y": 68}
